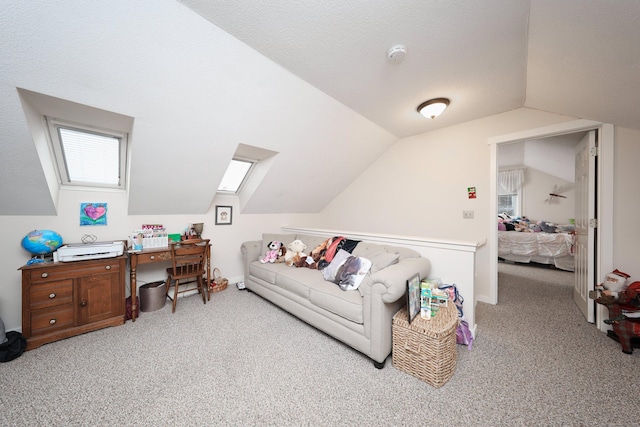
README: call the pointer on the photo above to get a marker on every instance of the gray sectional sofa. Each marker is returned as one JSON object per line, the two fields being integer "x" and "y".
{"x": 360, "y": 318}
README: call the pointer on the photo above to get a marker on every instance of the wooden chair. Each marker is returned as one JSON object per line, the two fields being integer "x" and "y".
{"x": 188, "y": 261}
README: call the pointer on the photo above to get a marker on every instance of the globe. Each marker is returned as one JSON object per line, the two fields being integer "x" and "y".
{"x": 41, "y": 242}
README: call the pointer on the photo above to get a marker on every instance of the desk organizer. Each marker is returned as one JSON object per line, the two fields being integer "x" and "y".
{"x": 155, "y": 242}
{"x": 426, "y": 349}
{"x": 150, "y": 238}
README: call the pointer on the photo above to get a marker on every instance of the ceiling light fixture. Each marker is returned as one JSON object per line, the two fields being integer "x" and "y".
{"x": 433, "y": 107}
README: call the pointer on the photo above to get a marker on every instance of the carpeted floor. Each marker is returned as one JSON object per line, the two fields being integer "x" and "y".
{"x": 241, "y": 361}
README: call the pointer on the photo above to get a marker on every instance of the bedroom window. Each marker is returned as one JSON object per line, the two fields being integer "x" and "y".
{"x": 235, "y": 176}
{"x": 87, "y": 156}
{"x": 508, "y": 203}
{"x": 510, "y": 185}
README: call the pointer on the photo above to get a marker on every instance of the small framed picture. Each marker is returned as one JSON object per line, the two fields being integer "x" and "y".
{"x": 413, "y": 297}
{"x": 223, "y": 215}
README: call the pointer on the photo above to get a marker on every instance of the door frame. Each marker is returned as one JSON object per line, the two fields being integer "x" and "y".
{"x": 604, "y": 198}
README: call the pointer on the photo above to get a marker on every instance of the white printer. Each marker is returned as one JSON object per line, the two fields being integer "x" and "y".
{"x": 84, "y": 251}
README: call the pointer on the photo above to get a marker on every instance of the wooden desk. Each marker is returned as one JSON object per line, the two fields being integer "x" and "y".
{"x": 148, "y": 256}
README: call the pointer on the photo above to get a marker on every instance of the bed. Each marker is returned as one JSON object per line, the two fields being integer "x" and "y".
{"x": 540, "y": 247}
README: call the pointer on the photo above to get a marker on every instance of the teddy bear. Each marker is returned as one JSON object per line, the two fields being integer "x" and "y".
{"x": 295, "y": 248}
{"x": 306, "y": 261}
{"x": 276, "y": 250}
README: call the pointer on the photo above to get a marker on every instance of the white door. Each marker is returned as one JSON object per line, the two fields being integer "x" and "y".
{"x": 585, "y": 242}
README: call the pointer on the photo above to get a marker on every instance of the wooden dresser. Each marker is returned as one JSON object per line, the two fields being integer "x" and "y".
{"x": 63, "y": 299}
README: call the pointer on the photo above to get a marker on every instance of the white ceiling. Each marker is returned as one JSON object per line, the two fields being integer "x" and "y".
{"x": 572, "y": 57}
{"x": 273, "y": 74}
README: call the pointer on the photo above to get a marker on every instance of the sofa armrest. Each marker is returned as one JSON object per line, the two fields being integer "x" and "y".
{"x": 250, "y": 250}
{"x": 395, "y": 277}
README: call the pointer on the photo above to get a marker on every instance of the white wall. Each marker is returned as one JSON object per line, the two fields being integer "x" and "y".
{"x": 225, "y": 252}
{"x": 538, "y": 206}
{"x": 419, "y": 188}
{"x": 626, "y": 232}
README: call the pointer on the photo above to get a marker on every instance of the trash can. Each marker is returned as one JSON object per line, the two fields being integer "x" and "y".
{"x": 152, "y": 296}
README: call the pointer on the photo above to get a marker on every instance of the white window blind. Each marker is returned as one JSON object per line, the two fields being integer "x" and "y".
{"x": 88, "y": 157}
{"x": 510, "y": 186}
{"x": 91, "y": 157}
{"x": 235, "y": 175}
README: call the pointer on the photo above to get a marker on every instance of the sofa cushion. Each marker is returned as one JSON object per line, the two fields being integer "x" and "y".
{"x": 368, "y": 250}
{"x": 299, "y": 280}
{"x": 347, "y": 304}
{"x": 403, "y": 252}
{"x": 382, "y": 260}
{"x": 267, "y": 271}
{"x": 311, "y": 241}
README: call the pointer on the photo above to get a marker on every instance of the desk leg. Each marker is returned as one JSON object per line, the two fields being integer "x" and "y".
{"x": 133, "y": 287}
{"x": 208, "y": 272}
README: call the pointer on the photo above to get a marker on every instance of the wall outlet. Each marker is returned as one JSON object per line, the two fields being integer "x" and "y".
{"x": 467, "y": 214}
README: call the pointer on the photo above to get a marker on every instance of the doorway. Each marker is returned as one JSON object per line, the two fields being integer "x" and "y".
{"x": 603, "y": 250}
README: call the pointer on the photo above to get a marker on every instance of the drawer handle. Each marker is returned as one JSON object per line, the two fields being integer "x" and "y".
{"x": 52, "y": 296}
{"x": 52, "y": 321}
{"x": 44, "y": 275}
{"x": 152, "y": 257}
{"x": 108, "y": 267}
{"x": 83, "y": 303}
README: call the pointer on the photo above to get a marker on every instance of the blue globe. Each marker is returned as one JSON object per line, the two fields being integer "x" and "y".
{"x": 41, "y": 242}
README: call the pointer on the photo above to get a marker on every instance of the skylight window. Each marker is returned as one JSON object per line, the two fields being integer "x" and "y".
{"x": 235, "y": 175}
{"x": 88, "y": 157}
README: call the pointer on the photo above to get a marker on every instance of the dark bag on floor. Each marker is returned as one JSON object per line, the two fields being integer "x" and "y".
{"x": 13, "y": 347}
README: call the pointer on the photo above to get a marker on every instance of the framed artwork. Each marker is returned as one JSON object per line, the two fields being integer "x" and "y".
{"x": 413, "y": 297}
{"x": 223, "y": 215}
{"x": 93, "y": 214}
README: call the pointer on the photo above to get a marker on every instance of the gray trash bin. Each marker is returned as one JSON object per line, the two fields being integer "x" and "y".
{"x": 152, "y": 296}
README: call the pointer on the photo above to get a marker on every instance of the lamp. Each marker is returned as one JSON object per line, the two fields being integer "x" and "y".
{"x": 433, "y": 107}
{"x": 197, "y": 227}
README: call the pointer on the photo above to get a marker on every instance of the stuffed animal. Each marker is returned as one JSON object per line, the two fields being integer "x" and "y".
{"x": 307, "y": 261}
{"x": 614, "y": 283}
{"x": 276, "y": 250}
{"x": 295, "y": 248}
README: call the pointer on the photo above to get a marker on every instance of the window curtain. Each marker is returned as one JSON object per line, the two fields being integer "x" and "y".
{"x": 510, "y": 182}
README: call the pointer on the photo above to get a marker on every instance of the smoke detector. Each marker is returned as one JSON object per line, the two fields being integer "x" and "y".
{"x": 395, "y": 54}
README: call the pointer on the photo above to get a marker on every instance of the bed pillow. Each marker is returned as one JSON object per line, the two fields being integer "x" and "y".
{"x": 346, "y": 270}
{"x": 547, "y": 227}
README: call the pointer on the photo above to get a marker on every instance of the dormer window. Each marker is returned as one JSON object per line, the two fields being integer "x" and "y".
{"x": 87, "y": 156}
{"x": 235, "y": 176}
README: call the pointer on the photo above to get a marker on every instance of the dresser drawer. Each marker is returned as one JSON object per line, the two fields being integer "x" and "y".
{"x": 70, "y": 270}
{"x": 51, "y": 319}
{"x": 50, "y": 294}
{"x": 154, "y": 257}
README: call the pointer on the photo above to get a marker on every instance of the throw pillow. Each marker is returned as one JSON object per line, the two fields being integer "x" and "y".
{"x": 346, "y": 270}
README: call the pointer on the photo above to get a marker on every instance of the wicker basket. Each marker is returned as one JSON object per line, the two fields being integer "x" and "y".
{"x": 426, "y": 349}
{"x": 218, "y": 283}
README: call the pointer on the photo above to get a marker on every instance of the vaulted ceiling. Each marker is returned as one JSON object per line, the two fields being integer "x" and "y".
{"x": 307, "y": 81}
{"x": 572, "y": 57}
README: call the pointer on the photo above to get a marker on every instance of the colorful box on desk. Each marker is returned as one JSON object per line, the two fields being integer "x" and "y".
{"x": 425, "y": 348}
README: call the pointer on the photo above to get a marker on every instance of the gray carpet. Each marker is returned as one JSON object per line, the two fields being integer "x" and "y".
{"x": 241, "y": 361}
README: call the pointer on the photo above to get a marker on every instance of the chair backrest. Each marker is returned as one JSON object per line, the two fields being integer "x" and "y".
{"x": 188, "y": 258}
